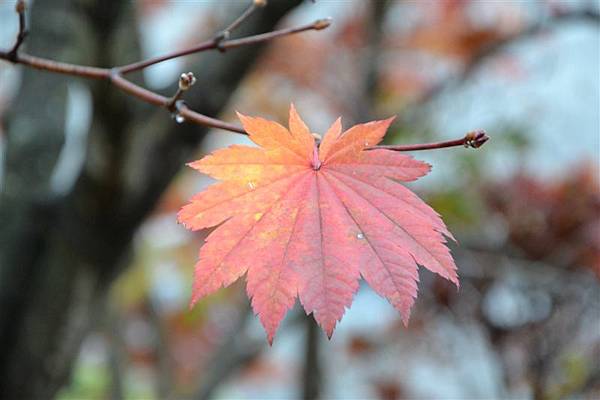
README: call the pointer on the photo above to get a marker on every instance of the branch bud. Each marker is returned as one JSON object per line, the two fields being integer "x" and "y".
{"x": 476, "y": 139}
{"x": 186, "y": 80}
{"x": 20, "y": 6}
{"x": 322, "y": 23}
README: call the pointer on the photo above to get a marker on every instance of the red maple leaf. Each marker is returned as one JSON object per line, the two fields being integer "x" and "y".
{"x": 307, "y": 221}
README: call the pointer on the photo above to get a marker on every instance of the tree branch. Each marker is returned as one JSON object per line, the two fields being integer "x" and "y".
{"x": 104, "y": 73}
{"x": 225, "y": 44}
{"x": 225, "y": 33}
{"x": 56, "y": 67}
{"x": 179, "y": 109}
{"x": 473, "y": 140}
{"x": 115, "y": 75}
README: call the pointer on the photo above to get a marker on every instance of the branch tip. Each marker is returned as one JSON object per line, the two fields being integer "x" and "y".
{"x": 476, "y": 139}
{"x": 322, "y": 23}
{"x": 473, "y": 139}
{"x": 20, "y": 6}
{"x": 186, "y": 81}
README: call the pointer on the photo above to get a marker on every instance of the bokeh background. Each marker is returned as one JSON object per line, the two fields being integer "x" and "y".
{"x": 525, "y": 208}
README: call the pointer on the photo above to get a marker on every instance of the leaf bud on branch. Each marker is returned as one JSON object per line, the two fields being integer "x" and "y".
{"x": 322, "y": 23}
{"x": 186, "y": 81}
{"x": 476, "y": 139}
{"x": 20, "y": 6}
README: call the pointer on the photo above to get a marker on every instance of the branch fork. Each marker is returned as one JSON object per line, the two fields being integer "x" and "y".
{"x": 20, "y": 9}
{"x": 226, "y": 33}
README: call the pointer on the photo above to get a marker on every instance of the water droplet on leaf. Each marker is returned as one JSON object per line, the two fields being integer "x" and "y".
{"x": 360, "y": 236}
{"x": 251, "y": 185}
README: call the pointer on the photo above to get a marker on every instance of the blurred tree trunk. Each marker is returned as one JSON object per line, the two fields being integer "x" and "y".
{"x": 312, "y": 375}
{"x": 365, "y": 104}
{"x": 61, "y": 246}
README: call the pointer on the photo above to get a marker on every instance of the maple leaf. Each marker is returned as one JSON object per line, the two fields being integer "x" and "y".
{"x": 307, "y": 221}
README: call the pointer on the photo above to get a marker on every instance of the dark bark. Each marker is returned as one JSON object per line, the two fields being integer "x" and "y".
{"x": 312, "y": 378}
{"x": 364, "y": 108}
{"x": 60, "y": 251}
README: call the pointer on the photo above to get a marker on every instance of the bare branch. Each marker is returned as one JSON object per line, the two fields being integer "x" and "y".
{"x": 115, "y": 75}
{"x": 226, "y": 44}
{"x": 174, "y": 104}
{"x": 57, "y": 67}
{"x": 162, "y": 101}
{"x": 201, "y": 119}
{"x": 225, "y": 33}
{"x": 473, "y": 139}
{"x": 104, "y": 73}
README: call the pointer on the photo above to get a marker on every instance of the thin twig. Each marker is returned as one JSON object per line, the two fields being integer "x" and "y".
{"x": 175, "y": 104}
{"x": 240, "y": 19}
{"x": 186, "y": 81}
{"x": 473, "y": 139}
{"x": 20, "y": 9}
{"x": 115, "y": 75}
{"x": 162, "y": 101}
{"x": 225, "y": 33}
{"x": 227, "y": 44}
{"x": 104, "y": 73}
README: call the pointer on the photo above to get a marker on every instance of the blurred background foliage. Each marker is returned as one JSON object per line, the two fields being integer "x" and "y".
{"x": 525, "y": 210}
